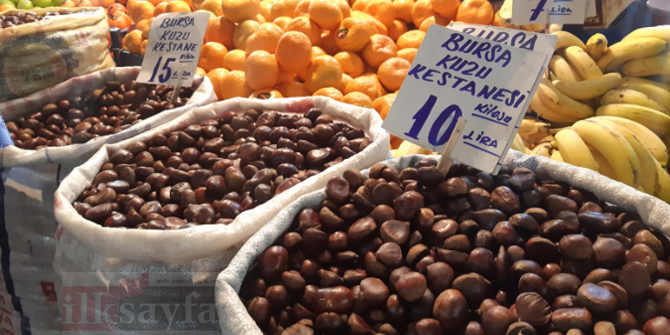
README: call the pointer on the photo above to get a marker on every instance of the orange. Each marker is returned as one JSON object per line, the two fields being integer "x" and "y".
{"x": 411, "y": 39}
{"x": 382, "y": 10}
{"x": 283, "y": 8}
{"x": 346, "y": 79}
{"x": 143, "y": 47}
{"x": 117, "y": 7}
{"x": 160, "y": 8}
{"x": 265, "y": 38}
{"x": 106, "y": 3}
{"x": 367, "y": 84}
{"x": 324, "y": 71}
{"x": 357, "y": 99}
{"x": 211, "y": 56}
{"x": 6, "y": 7}
{"x": 123, "y": 2}
{"x": 178, "y": 7}
{"x": 235, "y": 60}
{"x": 351, "y": 63}
{"x": 446, "y": 8}
{"x": 155, "y": 2}
{"x": 292, "y": 89}
{"x": 130, "y": 4}
{"x": 213, "y": 6}
{"x": 330, "y": 92}
{"x": 261, "y": 70}
{"x": 302, "y": 9}
{"x": 241, "y": 10}
{"x": 200, "y": 71}
{"x": 242, "y": 33}
{"x": 306, "y": 26}
{"x": 379, "y": 49}
{"x": 408, "y": 54}
{"x": 396, "y": 142}
{"x": 196, "y": 4}
{"x": 87, "y": 3}
{"x": 66, "y": 4}
{"x": 396, "y": 29}
{"x": 383, "y": 104}
{"x": 316, "y": 51}
{"x": 286, "y": 76}
{"x": 132, "y": 41}
{"x": 344, "y": 7}
{"x": 221, "y": 30}
{"x": 217, "y": 76}
{"x": 141, "y": 10}
{"x": 266, "y": 93}
{"x": 328, "y": 43}
{"x": 326, "y": 13}
{"x": 294, "y": 52}
{"x": 282, "y": 22}
{"x": 144, "y": 26}
{"x": 353, "y": 34}
{"x": 121, "y": 20}
{"x": 378, "y": 25}
{"x": 435, "y": 19}
{"x": 212, "y": 16}
{"x": 422, "y": 10}
{"x": 260, "y": 18}
{"x": 265, "y": 10}
{"x": 235, "y": 85}
{"x": 475, "y": 11}
{"x": 392, "y": 73}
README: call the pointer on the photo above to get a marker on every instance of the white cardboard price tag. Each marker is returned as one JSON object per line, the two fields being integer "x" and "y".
{"x": 173, "y": 49}
{"x": 549, "y": 11}
{"x": 454, "y": 75}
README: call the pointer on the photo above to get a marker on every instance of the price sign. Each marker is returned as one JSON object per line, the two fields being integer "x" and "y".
{"x": 550, "y": 11}
{"x": 173, "y": 49}
{"x": 455, "y": 74}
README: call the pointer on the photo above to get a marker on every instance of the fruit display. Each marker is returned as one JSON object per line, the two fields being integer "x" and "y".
{"x": 208, "y": 173}
{"x": 413, "y": 252}
{"x": 104, "y": 111}
{"x": 10, "y": 20}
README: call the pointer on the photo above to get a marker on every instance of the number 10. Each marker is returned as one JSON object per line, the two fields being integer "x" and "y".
{"x": 422, "y": 115}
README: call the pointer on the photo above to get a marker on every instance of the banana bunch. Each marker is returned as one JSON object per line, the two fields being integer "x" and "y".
{"x": 618, "y": 148}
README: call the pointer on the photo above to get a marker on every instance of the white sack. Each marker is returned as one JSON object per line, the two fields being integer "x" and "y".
{"x": 29, "y": 181}
{"x": 233, "y": 316}
{"x": 85, "y": 246}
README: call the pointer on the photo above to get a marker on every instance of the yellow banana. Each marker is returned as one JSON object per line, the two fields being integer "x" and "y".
{"x": 662, "y": 32}
{"x": 542, "y": 149}
{"x": 663, "y": 189}
{"x": 517, "y": 144}
{"x": 656, "y": 121}
{"x": 589, "y": 88}
{"x": 409, "y": 148}
{"x": 655, "y": 144}
{"x": 574, "y": 150}
{"x": 619, "y": 53}
{"x": 614, "y": 147}
{"x": 604, "y": 167}
{"x": 566, "y": 39}
{"x": 547, "y": 112}
{"x": 556, "y": 155}
{"x": 596, "y": 46}
{"x": 648, "y": 172}
{"x": 582, "y": 63}
{"x": 561, "y": 103}
{"x": 649, "y": 66}
{"x": 658, "y": 83}
{"x": 654, "y": 92}
{"x": 561, "y": 69}
{"x": 630, "y": 96}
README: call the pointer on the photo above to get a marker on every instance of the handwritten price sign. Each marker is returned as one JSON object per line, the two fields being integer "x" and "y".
{"x": 173, "y": 49}
{"x": 552, "y": 11}
{"x": 455, "y": 74}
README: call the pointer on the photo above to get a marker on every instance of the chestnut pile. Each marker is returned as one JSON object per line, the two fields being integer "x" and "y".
{"x": 104, "y": 111}
{"x": 212, "y": 171}
{"x": 11, "y": 20}
{"x": 413, "y": 252}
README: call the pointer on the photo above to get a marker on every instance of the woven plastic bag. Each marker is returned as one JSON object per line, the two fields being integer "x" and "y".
{"x": 41, "y": 54}
{"x": 84, "y": 246}
{"x": 29, "y": 181}
{"x": 233, "y": 316}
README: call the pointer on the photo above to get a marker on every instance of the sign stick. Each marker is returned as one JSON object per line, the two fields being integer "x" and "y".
{"x": 177, "y": 87}
{"x": 445, "y": 162}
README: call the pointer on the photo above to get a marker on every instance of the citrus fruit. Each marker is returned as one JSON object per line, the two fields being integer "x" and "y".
{"x": 234, "y": 85}
{"x": 177, "y": 7}
{"x": 141, "y": 10}
{"x": 294, "y": 52}
{"x": 353, "y": 34}
{"x": 265, "y": 38}
{"x": 235, "y": 60}
{"x": 306, "y": 26}
{"x": 292, "y": 89}
{"x": 213, "y": 6}
{"x": 383, "y": 104}
{"x": 282, "y": 21}
{"x": 351, "y": 63}
{"x": 217, "y": 76}
{"x": 357, "y": 99}
{"x": 262, "y": 70}
{"x": 212, "y": 55}
{"x": 160, "y": 8}
{"x": 382, "y": 10}
{"x": 403, "y": 10}
{"x": 367, "y": 84}
{"x": 144, "y": 26}
{"x": 242, "y": 33}
{"x": 326, "y": 13}
{"x": 408, "y": 54}
{"x": 328, "y": 43}
{"x": 379, "y": 49}
{"x": 241, "y": 10}
{"x": 283, "y": 8}
{"x": 266, "y": 93}
{"x": 132, "y": 41}
{"x": 330, "y": 92}
{"x": 422, "y": 10}
{"x": 324, "y": 71}
{"x": 392, "y": 73}
{"x": 446, "y": 8}
{"x": 221, "y": 30}
{"x": 475, "y": 11}
{"x": 200, "y": 71}
{"x": 396, "y": 29}
{"x": 411, "y": 39}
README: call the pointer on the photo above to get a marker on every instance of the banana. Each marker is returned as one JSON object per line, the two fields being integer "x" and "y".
{"x": 654, "y": 143}
{"x": 656, "y": 121}
{"x": 649, "y": 66}
{"x": 589, "y": 88}
{"x": 561, "y": 69}
{"x": 582, "y": 63}
{"x": 409, "y": 148}
{"x": 532, "y": 131}
{"x": 566, "y": 39}
{"x": 561, "y": 103}
{"x": 629, "y": 96}
{"x": 658, "y": 83}
{"x": 662, "y": 32}
{"x": 518, "y": 144}
{"x": 574, "y": 150}
{"x": 648, "y": 172}
{"x": 596, "y": 46}
{"x": 556, "y": 155}
{"x": 663, "y": 189}
{"x": 547, "y": 112}
{"x": 542, "y": 149}
{"x": 624, "y": 51}
{"x": 604, "y": 167}
{"x": 614, "y": 147}
{"x": 652, "y": 91}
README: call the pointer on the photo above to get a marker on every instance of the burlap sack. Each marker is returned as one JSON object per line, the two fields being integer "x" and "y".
{"x": 41, "y": 54}
{"x": 29, "y": 181}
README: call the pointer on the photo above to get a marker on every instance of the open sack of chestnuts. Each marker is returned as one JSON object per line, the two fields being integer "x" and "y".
{"x": 55, "y": 130}
{"x": 540, "y": 249}
{"x": 181, "y": 197}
